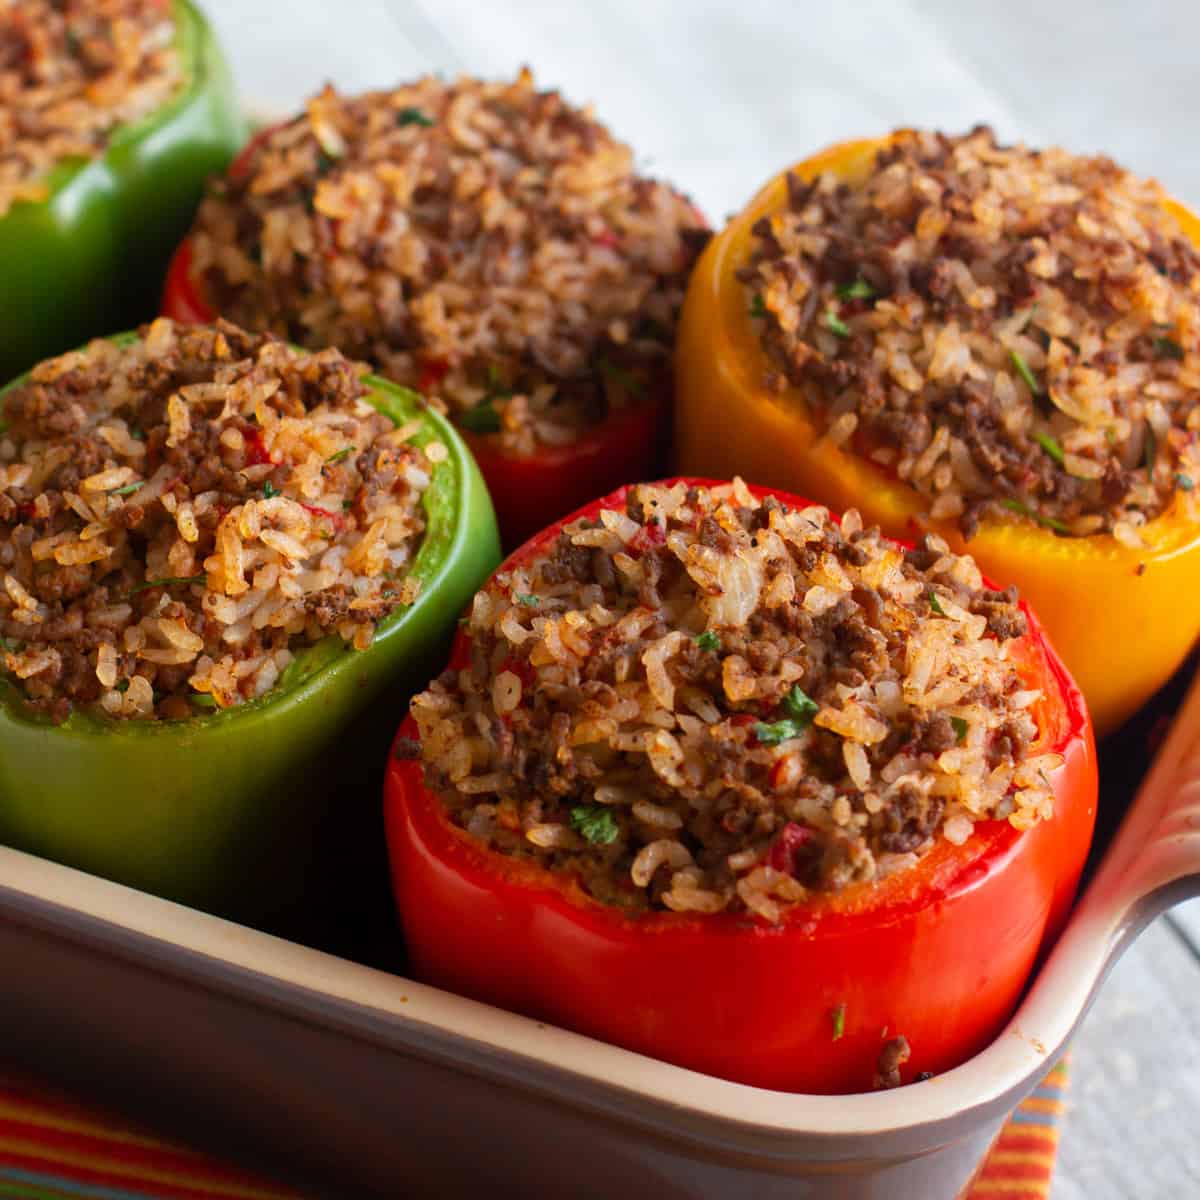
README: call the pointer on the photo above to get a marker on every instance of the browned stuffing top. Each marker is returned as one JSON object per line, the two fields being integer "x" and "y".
{"x": 707, "y": 703}
{"x": 71, "y": 71}
{"x": 486, "y": 242}
{"x": 1015, "y": 333}
{"x": 180, "y": 513}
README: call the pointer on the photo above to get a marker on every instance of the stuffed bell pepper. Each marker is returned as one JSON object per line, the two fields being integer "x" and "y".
{"x": 716, "y": 778}
{"x": 484, "y": 243}
{"x": 112, "y": 115}
{"x": 996, "y": 344}
{"x": 218, "y": 555}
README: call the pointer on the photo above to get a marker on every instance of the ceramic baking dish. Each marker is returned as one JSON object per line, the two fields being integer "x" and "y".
{"x": 356, "y": 1081}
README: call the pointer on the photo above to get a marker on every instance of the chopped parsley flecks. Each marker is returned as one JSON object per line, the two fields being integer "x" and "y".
{"x": 595, "y": 823}
{"x": 622, "y": 378}
{"x": 1050, "y": 446}
{"x": 1022, "y": 368}
{"x": 168, "y": 581}
{"x": 837, "y": 1018}
{"x": 835, "y": 324}
{"x": 800, "y": 706}
{"x": 412, "y": 116}
{"x": 1025, "y": 511}
{"x": 801, "y": 709}
{"x": 860, "y": 289}
{"x": 483, "y": 418}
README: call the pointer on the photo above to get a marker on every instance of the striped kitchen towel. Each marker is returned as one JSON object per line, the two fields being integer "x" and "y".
{"x": 52, "y": 1149}
{"x": 1021, "y": 1163}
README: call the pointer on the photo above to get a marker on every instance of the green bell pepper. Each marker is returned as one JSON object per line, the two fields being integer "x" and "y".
{"x": 231, "y": 811}
{"x": 91, "y": 257}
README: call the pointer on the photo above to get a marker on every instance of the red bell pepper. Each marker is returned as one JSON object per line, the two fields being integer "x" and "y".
{"x": 528, "y": 489}
{"x": 938, "y": 953}
{"x": 182, "y": 299}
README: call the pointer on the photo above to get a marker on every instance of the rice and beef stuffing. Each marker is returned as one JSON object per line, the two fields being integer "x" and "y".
{"x": 179, "y": 514}
{"x": 709, "y": 703}
{"x": 71, "y": 72}
{"x": 1015, "y": 333}
{"x": 485, "y": 242}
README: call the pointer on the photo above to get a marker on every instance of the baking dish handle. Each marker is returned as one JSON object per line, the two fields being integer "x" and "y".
{"x": 1154, "y": 861}
{"x": 1153, "y": 864}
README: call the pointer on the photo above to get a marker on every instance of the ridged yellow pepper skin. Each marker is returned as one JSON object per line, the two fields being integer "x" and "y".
{"x": 1122, "y": 619}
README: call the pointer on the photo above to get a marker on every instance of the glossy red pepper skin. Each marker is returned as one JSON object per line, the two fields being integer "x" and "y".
{"x": 180, "y": 300}
{"x": 939, "y": 953}
{"x": 528, "y": 490}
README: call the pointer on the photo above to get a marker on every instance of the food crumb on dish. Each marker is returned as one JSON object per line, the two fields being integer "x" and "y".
{"x": 895, "y": 1053}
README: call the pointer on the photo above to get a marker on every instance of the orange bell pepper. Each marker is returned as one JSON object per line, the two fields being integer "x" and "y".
{"x": 1121, "y": 618}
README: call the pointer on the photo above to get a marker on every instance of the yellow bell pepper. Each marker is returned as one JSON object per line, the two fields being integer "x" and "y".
{"x": 1121, "y": 618}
